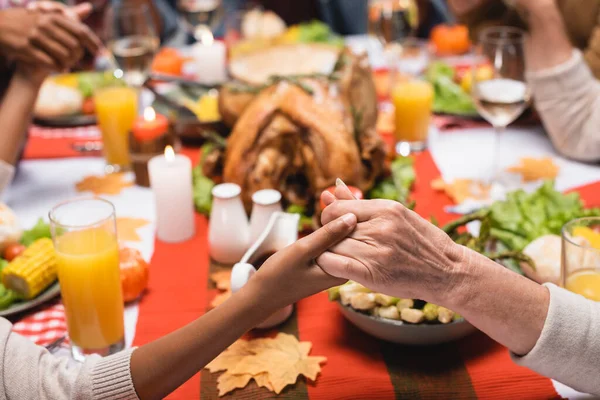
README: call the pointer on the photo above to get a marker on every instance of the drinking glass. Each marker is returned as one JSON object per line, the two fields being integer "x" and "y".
{"x": 87, "y": 252}
{"x": 581, "y": 257}
{"x": 392, "y": 20}
{"x": 133, "y": 42}
{"x": 116, "y": 109}
{"x": 412, "y": 101}
{"x": 200, "y": 16}
{"x": 501, "y": 99}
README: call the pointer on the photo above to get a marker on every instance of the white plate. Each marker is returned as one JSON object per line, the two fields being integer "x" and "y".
{"x": 400, "y": 332}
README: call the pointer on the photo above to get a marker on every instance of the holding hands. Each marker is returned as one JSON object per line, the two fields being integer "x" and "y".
{"x": 392, "y": 250}
{"x": 47, "y": 36}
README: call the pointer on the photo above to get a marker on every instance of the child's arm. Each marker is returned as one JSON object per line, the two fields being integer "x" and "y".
{"x": 155, "y": 369}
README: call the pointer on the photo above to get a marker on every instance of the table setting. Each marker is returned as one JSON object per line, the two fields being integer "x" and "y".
{"x": 160, "y": 184}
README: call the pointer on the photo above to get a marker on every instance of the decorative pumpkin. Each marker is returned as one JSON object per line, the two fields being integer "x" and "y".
{"x": 168, "y": 61}
{"x": 134, "y": 273}
{"x": 450, "y": 39}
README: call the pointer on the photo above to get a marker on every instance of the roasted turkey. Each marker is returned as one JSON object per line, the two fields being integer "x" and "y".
{"x": 298, "y": 135}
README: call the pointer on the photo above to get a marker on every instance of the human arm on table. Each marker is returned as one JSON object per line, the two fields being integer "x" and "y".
{"x": 395, "y": 251}
{"x": 154, "y": 370}
{"x": 548, "y": 329}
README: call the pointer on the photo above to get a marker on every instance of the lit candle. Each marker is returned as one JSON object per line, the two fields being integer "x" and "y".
{"x": 171, "y": 182}
{"x": 150, "y": 126}
{"x": 209, "y": 56}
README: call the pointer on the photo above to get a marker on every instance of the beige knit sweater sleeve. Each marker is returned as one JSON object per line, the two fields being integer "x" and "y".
{"x": 31, "y": 372}
{"x": 568, "y": 349}
{"x": 567, "y": 97}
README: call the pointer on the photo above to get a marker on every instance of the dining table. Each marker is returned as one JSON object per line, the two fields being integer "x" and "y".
{"x": 358, "y": 366}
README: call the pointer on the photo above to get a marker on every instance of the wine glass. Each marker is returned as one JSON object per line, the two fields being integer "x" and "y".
{"x": 392, "y": 20}
{"x": 200, "y": 16}
{"x": 133, "y": 42}
{"x": 501, "y": 95}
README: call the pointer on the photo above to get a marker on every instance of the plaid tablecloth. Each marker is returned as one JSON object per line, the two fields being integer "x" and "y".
{"x": 45, "y": 326}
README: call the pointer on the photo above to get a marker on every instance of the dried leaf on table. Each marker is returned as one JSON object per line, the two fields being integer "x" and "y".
{"x": 127, "y": 228}
{"x": 111, "y": 184}
{"x": 228, "y": 382}
{"x": 273, "y": 363}
{"x": 533, "y": 169}
{"x": 222, "y": 279}
{"x": 460, "y": 190}
{"x": 262, "y": 380}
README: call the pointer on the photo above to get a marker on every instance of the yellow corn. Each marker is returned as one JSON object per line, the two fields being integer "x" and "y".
{"x": 33, "y": 271}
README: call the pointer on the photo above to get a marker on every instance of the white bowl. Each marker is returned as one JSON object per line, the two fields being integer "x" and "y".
{"x": 409, "y": 334}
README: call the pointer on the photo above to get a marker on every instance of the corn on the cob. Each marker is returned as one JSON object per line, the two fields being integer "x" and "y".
{"x": 33, "y": 271}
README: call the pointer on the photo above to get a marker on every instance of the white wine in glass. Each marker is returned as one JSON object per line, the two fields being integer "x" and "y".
{"x": 133, "y": 43}
{"x": 501, "y": 99}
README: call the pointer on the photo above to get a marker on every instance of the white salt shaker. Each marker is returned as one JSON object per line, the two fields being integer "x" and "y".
{"x": 266, "y": 202}
{"x": 229, "y": 232}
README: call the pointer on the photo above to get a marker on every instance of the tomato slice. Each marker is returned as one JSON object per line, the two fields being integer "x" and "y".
{"x": 13, "y": 251}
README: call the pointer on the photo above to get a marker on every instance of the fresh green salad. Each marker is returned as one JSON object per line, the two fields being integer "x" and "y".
{"x": 202, "y": 185}
{"x": 508, "y": 226}
{"x": 449, "y": 97}
{"x": 40, "y": 230}
{"x": 397, "y": 186}
{"x": 318, "y": 32}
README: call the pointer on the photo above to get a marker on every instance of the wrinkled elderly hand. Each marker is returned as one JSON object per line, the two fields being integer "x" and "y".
{"x": 46, "y": 36}
{"x": 291, "y": 274}
{"x": 392, "y": 250}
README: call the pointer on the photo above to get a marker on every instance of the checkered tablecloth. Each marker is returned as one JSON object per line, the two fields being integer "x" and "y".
{"x": 45, "y": 326}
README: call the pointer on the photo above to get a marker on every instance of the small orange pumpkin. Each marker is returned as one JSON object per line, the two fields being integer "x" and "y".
{"x": 450, "y": 39}
{"x": 168, "y": 61}
{"x": 134, "y": 273}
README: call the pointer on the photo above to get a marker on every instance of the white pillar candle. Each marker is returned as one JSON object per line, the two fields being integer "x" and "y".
{"x": 171, "y": 181}
{"x": 210, "y": 56}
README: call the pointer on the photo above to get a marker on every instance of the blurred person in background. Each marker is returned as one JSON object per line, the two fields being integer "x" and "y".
{"x": 563, "y": 61}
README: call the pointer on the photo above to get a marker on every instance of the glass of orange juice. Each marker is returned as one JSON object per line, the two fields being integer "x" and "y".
{"x": 116, "y": 109}
{"x": 581, "y": 257}
{"x": 412, "y": 101}
{"x": 85, "y": 240}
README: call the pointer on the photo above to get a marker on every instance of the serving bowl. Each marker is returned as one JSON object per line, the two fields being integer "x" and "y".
{"x": 404, "y": 333}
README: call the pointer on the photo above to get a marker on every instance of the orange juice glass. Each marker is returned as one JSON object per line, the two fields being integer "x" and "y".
{"x": 412, "y": 102}
{"x": 84, "y": 234}
{"x": 116, "y": 109}
{"x": 581, "y": 257}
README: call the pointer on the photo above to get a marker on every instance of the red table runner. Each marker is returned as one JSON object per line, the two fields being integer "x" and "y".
{"x": 358, "y": 365}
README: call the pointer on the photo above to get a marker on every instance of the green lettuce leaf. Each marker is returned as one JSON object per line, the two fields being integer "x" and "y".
{"x": 523, "y": 217}
{"x": 448, "y": 96}
{"x": 40, "y": 230}
{"x": 398, "y": 185}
